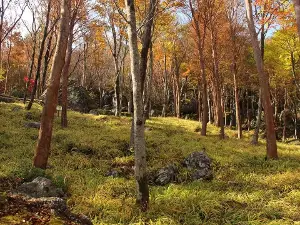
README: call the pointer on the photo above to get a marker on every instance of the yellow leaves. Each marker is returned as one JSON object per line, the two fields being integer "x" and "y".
{"x": 186, "y": 70}
{"x": 172, "y": 4}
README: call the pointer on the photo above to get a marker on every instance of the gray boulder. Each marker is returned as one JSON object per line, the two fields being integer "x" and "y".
{"x": 40, "y": 187}
{"x": 33, "y": 125}
{"x": 166, "y": 175}
{"x": 199, "y": 165}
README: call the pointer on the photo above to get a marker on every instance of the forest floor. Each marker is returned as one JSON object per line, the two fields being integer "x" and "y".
{"x": 245, "y": 189}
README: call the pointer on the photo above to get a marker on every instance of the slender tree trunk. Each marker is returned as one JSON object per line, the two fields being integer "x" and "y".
{"x": 176, "y": 88}
{"x": 285, "y": 111}
{"x": 149, "y": 85}
{"x": 83, "y": 78}
{"x": 297, "y": 12}
{"x": 263, "y": 81}
{"x": 219, "y": 110}
{"x": 138, "y": 120}
{"x": 165, "y": 103}
{"x": 210, "y": 113}
{"x": 248, "y": 111}
{"x": 43, "y": 147}
{"x": 65, "y": 73}
{"x": 200, "y": 44}
{"x": 259, "y": 111}
{"x": 46, "y": 62}
{"x": 295, "y": 121}
{"x": 237, "y": 103}
{"x": 31, "y": 68}
{"x": 8, "y": 67}
{"x": 39, "y": 63}
{"x": 258, "y": 121}
{"x": 117, "y": 98}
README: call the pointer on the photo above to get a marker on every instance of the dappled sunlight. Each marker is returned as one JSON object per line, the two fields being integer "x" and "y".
{"x": 246, "y": 189}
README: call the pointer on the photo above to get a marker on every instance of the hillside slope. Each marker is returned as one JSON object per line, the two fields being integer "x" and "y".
{"x": 245, "y": 189}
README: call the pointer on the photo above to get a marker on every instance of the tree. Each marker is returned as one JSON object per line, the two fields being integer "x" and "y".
{"x": 45, "y": 134}
{"x": 297, "y": 12}
{"x": 264, "y": 86}
{"x": 65, "y": 71}
{"x": 40, "y": 58}
{"x": 7, "y": 24}
{"x": 201, "y": 35}
{"x": 233, "y": 17}
{"x": 116, "y": 40}
{"x": 138, "y": 65}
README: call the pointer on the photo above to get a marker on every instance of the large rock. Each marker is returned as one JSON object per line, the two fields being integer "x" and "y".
{"x": 199, "y": 165}
{"x": 33, "y": 125}
{"x": 166, "y": 175}
{"x": 40, "y": 187}
{"x": 6, "y": 99}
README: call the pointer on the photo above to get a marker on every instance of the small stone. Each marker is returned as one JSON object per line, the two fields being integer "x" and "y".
{"x": 33, "y": 125}
{"x": 94, "y": 112}
{"x": 166, "y": 175}
{"x": 112, "y": 173}
{"x": 16, "y": 109}
{"x": 29, "y": 116}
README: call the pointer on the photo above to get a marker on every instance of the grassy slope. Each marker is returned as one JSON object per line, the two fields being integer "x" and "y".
{"x": 246, "y": 189}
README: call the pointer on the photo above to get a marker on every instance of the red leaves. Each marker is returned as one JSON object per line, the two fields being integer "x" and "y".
{"x": 29, "y": 83}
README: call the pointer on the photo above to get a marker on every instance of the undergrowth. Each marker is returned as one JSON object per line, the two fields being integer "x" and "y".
{"x": 246, "y": 189}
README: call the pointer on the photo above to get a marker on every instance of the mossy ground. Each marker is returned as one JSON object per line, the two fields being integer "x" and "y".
{"x": 246, "y": 189}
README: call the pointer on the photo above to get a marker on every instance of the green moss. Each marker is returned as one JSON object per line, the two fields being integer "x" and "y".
{"x": 246, "y": 189}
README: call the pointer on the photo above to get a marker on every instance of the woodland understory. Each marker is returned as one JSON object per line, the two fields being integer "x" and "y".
{"x": 88, "y": 87}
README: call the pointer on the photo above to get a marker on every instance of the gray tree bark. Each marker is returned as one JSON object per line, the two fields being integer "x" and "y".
{"x": 138, "y": 120}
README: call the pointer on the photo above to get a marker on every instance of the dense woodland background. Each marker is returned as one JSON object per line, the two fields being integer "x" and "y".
{"x": 99, "y": 74}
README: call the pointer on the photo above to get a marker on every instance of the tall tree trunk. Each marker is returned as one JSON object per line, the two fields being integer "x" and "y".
{"x": 31, "y": 67}
{"x": 263, "y": 81}
{"x": 258, "y": 120}
{"x": 200, "y": 46}
{"x": 149, "y": 85}
{"x": 83, "y": 78}
{"x": 176, "y": 88}
{"x": 259, "y": 111}
{"x": 297, "y": 12}
{"x": 39, "y": 62}
{"x": 248, "y": 111}
{"x": 8, "y": 67}
{"x": 65, "y": 72}
{"x": 237, "y": 103}
{"x": 295, "y": 121}
{"x": 285, "y": 111}
{"x": 117, "y": 98}
{"x": 217, "y": 85}
{"x": 165, "y": 103}
{"x": 46, "y": 62}
{"x": 43, "y": 147}
{"x": 138, "y": 70}
{"x": 210, "y": 112}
